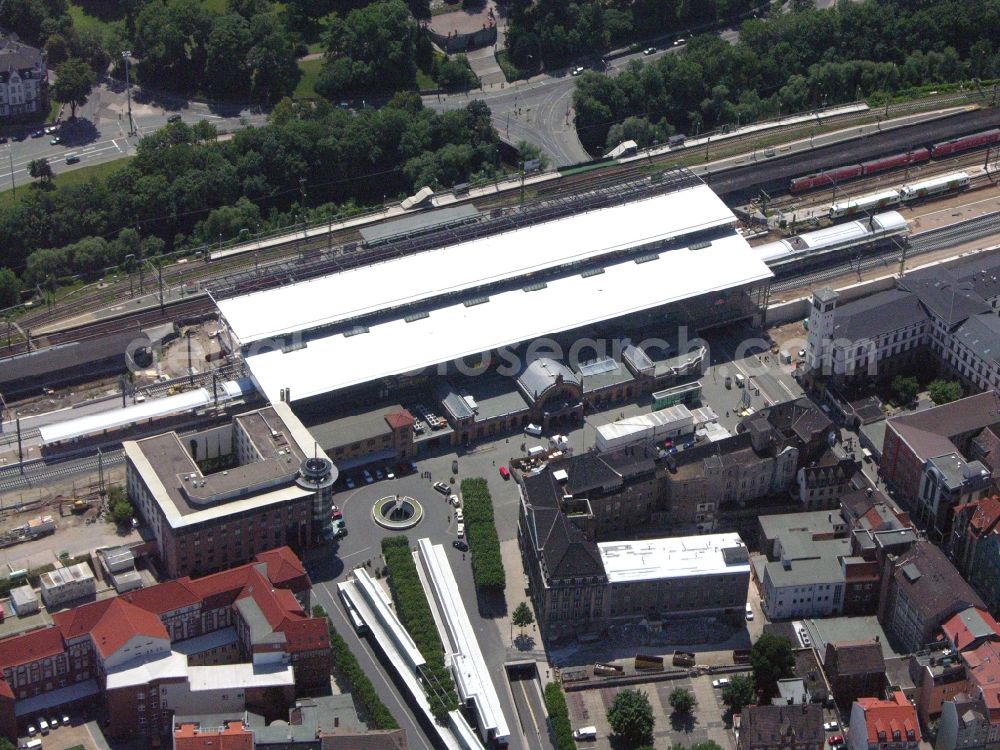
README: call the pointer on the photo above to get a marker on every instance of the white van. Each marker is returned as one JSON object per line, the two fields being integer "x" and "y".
{"x": 31, "y": 744}
{"x": 585, "y": 733}
{"x": 533, "y": 429}
{"x": 740, "y": 380}
{"x": 535, "y": 450}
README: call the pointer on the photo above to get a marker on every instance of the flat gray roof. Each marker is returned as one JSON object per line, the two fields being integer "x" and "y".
{"x": 349, "y": 425}
{"x": 838, "y": 629}
{"x": 816, "y": 522}
{"x": 417, "y": 222}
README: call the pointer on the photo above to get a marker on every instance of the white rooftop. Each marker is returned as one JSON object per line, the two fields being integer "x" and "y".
{"x": 672, "y": 557}
{"x": 496, "y": 258}
{"x": 142, "y": 670}
{"x": 334, "y": 362}
{"x": 148, "y": 410}
{"x": 239, "y": 676}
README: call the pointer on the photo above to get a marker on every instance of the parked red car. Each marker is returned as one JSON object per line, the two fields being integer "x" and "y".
{"x": 505, "y": 472}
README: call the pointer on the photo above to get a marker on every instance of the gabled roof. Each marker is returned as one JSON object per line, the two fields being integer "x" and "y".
{"x": 164, "y": 597}
{"x": 281, "y": 614}
{"x": 886, "y": 718}
{"x": 569, "y": 554}
{"x": 31, "y": 646}
{"x": 943, "y": 295}
{"x": 969, "y": 627}
{"x": 986, "y": 515}
{"x": 931, "y": 583}
{"x": 929, "y": 432}
{"x": 121, "y": 623}
{"x": 79, "y": 621}
{"x": 763, "y": 725}
{"x": 283, "y": 566}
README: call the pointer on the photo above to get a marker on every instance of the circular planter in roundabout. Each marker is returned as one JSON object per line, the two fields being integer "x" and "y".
{"x": 397, "y": 512}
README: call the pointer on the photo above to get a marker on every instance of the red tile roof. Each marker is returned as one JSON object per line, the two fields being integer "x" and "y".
{"x": 122, "y": 622}
{"x": 958, "y": 628}
{"x": 233, "y": 737}
{"x": 283, "y": 566}
{"x": 399, "y": 419}
{"x": 80, "y": 620}
{"x": 986, "y": 515}
{"x": 31, "y": 646}
{"x": 164, "y": 597}
{"x": 5, "y": 691}
{"x": 889, "y": 717}
{"x": 285, "y": 615}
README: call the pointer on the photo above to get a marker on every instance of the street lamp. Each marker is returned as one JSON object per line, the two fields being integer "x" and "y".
{"x": 126, "y": 54}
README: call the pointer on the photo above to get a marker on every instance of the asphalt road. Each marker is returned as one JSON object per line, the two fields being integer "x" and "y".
{"x": 540, "y": 110}
{"x": 100, "y": 133}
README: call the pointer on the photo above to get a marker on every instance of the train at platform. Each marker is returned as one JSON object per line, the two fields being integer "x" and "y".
{"x": 866, "y": 204}
{"x": 939, "y": 150}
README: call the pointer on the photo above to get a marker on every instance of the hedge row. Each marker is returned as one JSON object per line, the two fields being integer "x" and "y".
{"x": 481, "y": 530}
{"x": 415, "y": 614}
{"x": 349, "y": 672}
{"x": 555, "y": 704}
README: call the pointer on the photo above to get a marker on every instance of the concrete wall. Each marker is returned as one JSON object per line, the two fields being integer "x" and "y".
{"x": 212, "y": 443}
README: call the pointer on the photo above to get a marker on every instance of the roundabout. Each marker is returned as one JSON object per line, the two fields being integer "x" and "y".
{"x": 397, "y": 512}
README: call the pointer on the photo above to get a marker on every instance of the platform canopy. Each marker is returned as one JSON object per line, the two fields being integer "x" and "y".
{"x": 332, "y": 362}
{"x": 497, "y": 258}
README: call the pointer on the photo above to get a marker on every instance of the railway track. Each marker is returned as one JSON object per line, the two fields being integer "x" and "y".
{"x": 780, "y": 168}
{"x": 37, "y": 472}
{"x": 919, "y": 244}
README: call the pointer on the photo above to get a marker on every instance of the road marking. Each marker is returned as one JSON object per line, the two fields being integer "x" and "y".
{"x": 360, "y": 551}
{"x": 527, "y": 702}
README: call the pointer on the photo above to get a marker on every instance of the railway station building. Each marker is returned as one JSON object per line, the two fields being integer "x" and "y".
{"x": 465, "y": 307}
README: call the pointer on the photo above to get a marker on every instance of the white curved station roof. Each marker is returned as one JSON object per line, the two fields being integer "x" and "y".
{"x": 500, "y": 257}
{"x": 333, "y": 362}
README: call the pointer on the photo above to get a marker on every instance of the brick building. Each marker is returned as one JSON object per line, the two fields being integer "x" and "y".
{"x": 239, "y": 638}
{"x": 223, "y": 495}
{"x": 975, "y": 547}
{"x": 854, "y": 669}
{"x": 920, "y": 589}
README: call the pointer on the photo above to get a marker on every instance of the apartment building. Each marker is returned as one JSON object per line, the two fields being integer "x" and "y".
{"x": 24, "y": 80}
{"x": 884, "y": 724}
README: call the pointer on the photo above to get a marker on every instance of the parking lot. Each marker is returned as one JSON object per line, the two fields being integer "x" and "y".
{"x": 707, "y": 722}
{"x": 76, "y": 735}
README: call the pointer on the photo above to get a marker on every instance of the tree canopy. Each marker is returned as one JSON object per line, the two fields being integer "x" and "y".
{"x": 74, "y": 82}
{"x": 789, "y": 62}
{"x": 682, "y": 701}
{"x": 772, "y": 660}
{"x": 905, "y": 388}
{"x": 183, "y": 188}
{"x": 944, "y": 391}
{"x": 631, "y": 717}
{"x": 738, "y": 693}
{"x": 371, "y": 49}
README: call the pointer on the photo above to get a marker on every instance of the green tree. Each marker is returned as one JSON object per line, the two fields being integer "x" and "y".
{"x": 6, "y": 744}
{"x": 905, "y": 388}
{"x": 772, "y": 660}
{"x": 74, "y": 82}
{"x": 682, "y": 701}
{"x": 944, "y": 391}
{"x": 121, "y": 509}
{"x": 226, "y": 49}
{"x": 10, "y": 288}
{"x": 522, "y": 616}
{"x": 631, "y": 717}
{"x": 371, "y": 49}
{"x": 738, "y": 693}
{"x": 40, "y": 169}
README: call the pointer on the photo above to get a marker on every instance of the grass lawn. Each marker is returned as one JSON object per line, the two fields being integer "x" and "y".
{"x": 310, "y": 72}
{"x": 316, "y": 48}
{"x": 72, "y": 177}
{"x": 84, "y": 20}
{"x": 425, "y": 82}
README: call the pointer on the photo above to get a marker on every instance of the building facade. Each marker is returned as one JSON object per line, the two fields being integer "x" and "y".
{"x": 229, "y": 493}
{"x": 884, "y": 724}
{"x": 233, "y": 639}
{"x": 782, "y": 727}
{"x": 24, "y": 80}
